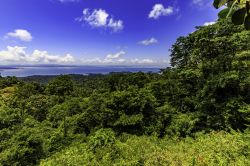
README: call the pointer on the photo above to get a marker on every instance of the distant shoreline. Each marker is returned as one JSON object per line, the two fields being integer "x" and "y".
{"x": 2, "y": 69}
{"x": 24, "y": 71}
{"x": 8, "y": 68}
{"x": 91, "y": 66}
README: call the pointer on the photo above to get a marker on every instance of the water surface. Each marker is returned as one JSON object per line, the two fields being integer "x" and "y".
{"x": 29, "y": 71}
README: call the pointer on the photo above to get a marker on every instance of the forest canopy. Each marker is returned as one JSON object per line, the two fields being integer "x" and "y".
{"x": 196, "y": 112}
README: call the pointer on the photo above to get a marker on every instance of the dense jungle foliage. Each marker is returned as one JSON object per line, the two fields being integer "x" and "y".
{"x": 196, "y": 112}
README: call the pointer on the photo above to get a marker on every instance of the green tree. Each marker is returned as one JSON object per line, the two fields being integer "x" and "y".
{"x": 213, "y": 66}
{"x": 60, "y": 86}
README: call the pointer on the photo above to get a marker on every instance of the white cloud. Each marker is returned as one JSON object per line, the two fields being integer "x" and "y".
{"x": 147, "y": 61}
{"x": 43, "y": 57}
{"x": 148, "y": 41}
{"x": 116, "y": 55}
{"x": 117, "y": 59}
{"x": 209, "y": 23}
{"x": 21, "y": 34}
{"x": 201, "y": 3}
{"x": 18, "y": 54}
{"x": 100, "y": 18}
{"x": 115, "y": 25}
{"x": 159, "y": 10}
{"x": 13, "y": 54}
{"x": 142, "y": 61}
{"x": 121, "y": 60}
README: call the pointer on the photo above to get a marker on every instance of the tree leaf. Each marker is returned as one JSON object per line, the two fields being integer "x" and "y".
{"x": 218, "y": 3}
{"x": 238, "y": 16}
{"x": 223, "y": 13}
{"x": 247, "y": 22}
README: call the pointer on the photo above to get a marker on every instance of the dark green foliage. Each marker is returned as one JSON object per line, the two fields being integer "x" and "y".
{"x": 223, "y": 13}
{"x": 37, "y": 106}
{"x": 8, "y": 81}
{"x": 24, "y": 148}
{"x": 9, "y": 117}
{"x": 247, "y": 22}
{"x": 238, "y": 17}
{"x": 137, "y": 118}
{"x": 239, "y": 10}
{"x": 212, "y": 73}
{"x": 60, "y": 86}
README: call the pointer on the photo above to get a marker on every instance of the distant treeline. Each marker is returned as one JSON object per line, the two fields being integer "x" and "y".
{"x": 44, "y": 79}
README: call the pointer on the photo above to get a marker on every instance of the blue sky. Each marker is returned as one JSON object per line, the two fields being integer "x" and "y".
{"x": 97, "y": 32}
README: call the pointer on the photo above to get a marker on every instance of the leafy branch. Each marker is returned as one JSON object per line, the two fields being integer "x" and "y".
{"x": 239, "y": 11}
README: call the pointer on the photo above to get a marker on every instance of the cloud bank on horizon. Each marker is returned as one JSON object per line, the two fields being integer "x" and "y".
{"x": 18, "y": 54}
{"x": 104, "y": 28}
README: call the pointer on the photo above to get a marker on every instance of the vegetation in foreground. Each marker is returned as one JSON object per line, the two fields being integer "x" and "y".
{"x": 104, "y": 149}
{"x": 195, "y": 113}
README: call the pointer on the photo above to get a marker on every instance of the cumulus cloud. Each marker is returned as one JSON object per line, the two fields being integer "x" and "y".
{"x": 118, "y": 59}
{"x": 21, "y": 34}
{"x": 99, "y": 18}
{"x": 13, "y": 54}
{"x": 18, "y": 54}
{"x": 116, "y": 55}
{"x": 159, "y": 10}
{"x": 209, "y": 23}
{"x": 148, "y": 41}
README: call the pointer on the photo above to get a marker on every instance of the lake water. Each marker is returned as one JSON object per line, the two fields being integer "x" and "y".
{"x": 29, "y": 71}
